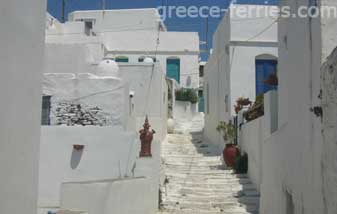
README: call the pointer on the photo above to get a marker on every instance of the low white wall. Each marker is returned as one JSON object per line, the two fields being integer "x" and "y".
{"x": 109, "y": 153}
{"x": 251, "y": 143}
{"x": 105, "y": 197}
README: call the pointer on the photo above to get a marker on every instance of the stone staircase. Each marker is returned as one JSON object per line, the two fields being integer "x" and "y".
{"x": 197, "y": 183}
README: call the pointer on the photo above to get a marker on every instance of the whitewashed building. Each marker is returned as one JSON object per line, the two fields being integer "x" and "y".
{"x": 292, "y": 148}
{"x": 93, "y": 102}
{"x": 244, "y": 53}
{"x": 89, "y": 138}
{"x": 21, "y": 61}
{"x": 130, "y": 36}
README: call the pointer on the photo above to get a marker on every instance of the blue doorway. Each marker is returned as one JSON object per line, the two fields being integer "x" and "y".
{"x": 201, "y": 103}
{"x": 173, "y": 69}
{"x": 264, "y": 68}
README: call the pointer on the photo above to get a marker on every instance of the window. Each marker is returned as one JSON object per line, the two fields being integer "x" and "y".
{"x": 173, "y": 68}
{"x": 201, "y": 70}
{"x": 264, "y": 70}
{"x": 122, "y": 59}
{"x": 226, "y": 103}
{"x": 201, "y": 104}
{"x": 45, "y": 117}
{"x": 88, "y": 26}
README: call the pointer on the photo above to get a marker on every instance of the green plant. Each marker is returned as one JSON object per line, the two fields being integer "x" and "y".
{"x": 228, "y": 131}
{"x": 256, "y": 110}
{"x": 240, "y": 103}
{"x": 187, "y": 95}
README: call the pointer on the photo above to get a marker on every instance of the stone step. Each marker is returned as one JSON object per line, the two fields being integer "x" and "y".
{"x": 198, "y": 182}
{"x": 178, "y": 211}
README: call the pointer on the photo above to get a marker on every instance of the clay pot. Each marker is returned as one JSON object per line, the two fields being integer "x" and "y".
{"x": 229, "y": 155}
{"x": 170, "y": 125}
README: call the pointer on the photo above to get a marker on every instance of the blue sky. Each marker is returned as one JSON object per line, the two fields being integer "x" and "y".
{"x": 173, "y": 24}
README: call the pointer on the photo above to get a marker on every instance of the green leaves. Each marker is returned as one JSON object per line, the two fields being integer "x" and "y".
{"x": 187, "y": 95}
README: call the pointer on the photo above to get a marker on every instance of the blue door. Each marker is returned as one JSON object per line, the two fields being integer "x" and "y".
{"x": 173, "y": 69}
{"x": 264, "y": 68}
{"x": 201, "y": 104}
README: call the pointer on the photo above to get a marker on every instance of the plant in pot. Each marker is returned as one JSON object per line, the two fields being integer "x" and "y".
{"x": 272, "y": 80}
{"x": 256, "y": 110}
{"x": 230, "y": 152}
{"x": 240, "y": 103}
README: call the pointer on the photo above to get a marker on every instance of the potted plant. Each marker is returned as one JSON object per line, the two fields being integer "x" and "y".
{"x": 230, "y": 152}
{"x": 243, "y": 101}
{"x": 256, "y": 110}
{"x": 240, "y": 103}
{"x": 272, "y": 80}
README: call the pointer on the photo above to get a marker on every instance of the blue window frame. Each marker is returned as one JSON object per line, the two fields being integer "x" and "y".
{"x": 173, "y": 69}
{"x": 122, "y": 59}
{"x": 264, "y": 68}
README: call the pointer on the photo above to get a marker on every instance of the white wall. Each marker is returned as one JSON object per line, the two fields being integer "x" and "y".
{"x": 109, "y": 94}
{"x": 292, "y": 156}
{"x": 329, "y": 155}
{"x": 110, "y": 196}
{"x": 230, "y": 69}
{"x": 118, "y": 39}
{"x": 182, "y": 45}
{"x": 109, "y": 153}
{"x": 150, "y": 98}
{"x": 71, "y": 58}
{"x": 21, "y": 57}
{"x": 133, "y": 19}
{"x": 251, "y": 142}
{"x": 243, "y": 72}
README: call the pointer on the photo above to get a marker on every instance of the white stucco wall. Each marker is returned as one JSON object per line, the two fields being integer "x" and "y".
{"x": 21, "y": 59}
{"x": 150, "y": 96}
{"x": 109, "y": 94}
{"x": 182, "y": 45}
{"x": 109, "y": 153}
{"x": 112, "y": 196}
{"x": 292, "y": 156}
{"x": 132, "y": 19}
{"x": 230, "y": 70}
{"x": 251, "y": 142}
{"x": 117, "y": 38}
{"x": 243, "y": 72}
{"x": 71, "y": 58}
{"x": 329, "y": 155}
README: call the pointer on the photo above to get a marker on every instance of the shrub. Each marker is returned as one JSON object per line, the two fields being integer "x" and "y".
{"x": 187, "y": 95}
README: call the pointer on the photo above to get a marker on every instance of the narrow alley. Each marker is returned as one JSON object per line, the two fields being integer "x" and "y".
{"x": 196, "y": 181}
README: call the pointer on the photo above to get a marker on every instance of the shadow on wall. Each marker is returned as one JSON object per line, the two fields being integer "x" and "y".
{"x": 76, "y": 157}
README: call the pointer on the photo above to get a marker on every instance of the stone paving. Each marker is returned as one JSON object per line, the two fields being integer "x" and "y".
{"x": 197, "y": 183}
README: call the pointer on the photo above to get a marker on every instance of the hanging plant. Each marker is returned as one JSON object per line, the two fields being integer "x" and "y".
{"x": 256, "y": 110}
{"x": 240, "y": 103}
{"x": 272, "y": 80}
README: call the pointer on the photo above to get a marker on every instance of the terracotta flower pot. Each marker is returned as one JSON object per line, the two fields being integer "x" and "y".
{"x": 229, "y": 155}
